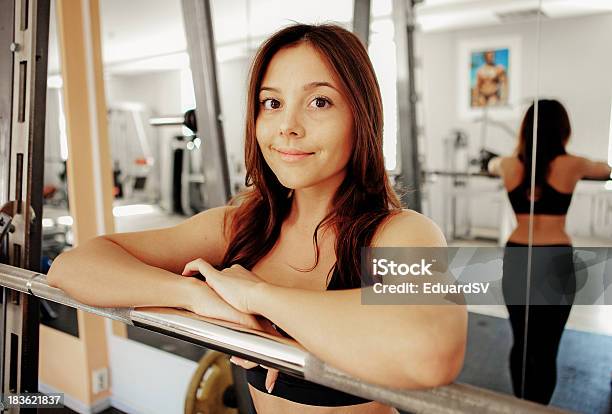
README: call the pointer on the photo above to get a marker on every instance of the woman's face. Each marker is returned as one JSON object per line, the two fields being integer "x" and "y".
{"x": 304, "y": 125}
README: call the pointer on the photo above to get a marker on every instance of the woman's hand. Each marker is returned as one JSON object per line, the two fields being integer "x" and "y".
{"x": 235, "y": 284}
{"x": 270, "y": 377}
{"x": 204, "y": 301}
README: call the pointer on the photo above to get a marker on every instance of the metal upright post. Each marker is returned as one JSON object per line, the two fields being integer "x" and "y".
{"x": 361, "y": 20}
{"x": 408, "y": 148}
{"x": 201, "y": 46}
{"x": 6, "y": 93}
{"x": 23, "y": 183}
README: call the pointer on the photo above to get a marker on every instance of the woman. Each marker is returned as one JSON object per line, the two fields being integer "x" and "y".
{"x": 551, "y": 279}
{"x": 315, "y": 177}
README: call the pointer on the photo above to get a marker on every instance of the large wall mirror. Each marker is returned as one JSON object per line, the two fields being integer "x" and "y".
{"x": 565, "y": 358}
{"x": 515, "y": 105}
{"x": 475, "y": 78}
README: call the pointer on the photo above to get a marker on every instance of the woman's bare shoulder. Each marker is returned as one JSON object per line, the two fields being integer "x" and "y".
{"x": 220, "y": 218}
{"x": 408, "y": 227}
{"x": 567, "y": 158}
{"x": 214, "y": 216}
{"x": 588, "y": 168}
{"x": 573, "y": 165}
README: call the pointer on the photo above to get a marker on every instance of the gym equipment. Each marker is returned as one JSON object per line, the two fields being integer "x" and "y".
{"x": 188, "y": 192}
{"x": 211, "y": 390}
{"x": 24, "y": 35}
{"x": 188, "y": 120}
{"x": 133, "y": 159}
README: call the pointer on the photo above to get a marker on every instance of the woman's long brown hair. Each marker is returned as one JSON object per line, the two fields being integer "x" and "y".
{"x": 363, "y": 200}
{"x": 554, "y": 130}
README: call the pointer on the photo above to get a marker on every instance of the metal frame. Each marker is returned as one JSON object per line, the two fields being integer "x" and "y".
{"x": 361, "y": 20}
{"x": 6, "y": 94}
{"x": 455, "y": 398}
{"x": 23, "y": 183}
{"x": 407, "y": 142}
{"x": 201, "y": 46}
{"x": 6, "y": 100}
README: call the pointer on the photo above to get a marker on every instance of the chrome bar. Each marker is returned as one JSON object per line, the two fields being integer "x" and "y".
{"x": 250, "y": 346}
{"x": 454, "y": 398}
{"x": 35, "y": 284}
{"x": 167, "y": 120}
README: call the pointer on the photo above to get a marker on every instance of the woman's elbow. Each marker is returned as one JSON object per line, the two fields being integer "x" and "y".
{"x": 438, "y": 365}
{"x": 438, "y": 369}
{"x": 56, "y": 275}
{"x": 447, "y": 367}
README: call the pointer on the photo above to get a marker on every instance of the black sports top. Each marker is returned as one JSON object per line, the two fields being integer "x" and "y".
{"x": 550, "y": 201}
{"x": 301, "y": 391}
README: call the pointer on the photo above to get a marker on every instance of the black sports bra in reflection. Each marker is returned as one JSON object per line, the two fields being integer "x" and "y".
{"x": 301, "y": 391}
{"x": 550, "y": 200}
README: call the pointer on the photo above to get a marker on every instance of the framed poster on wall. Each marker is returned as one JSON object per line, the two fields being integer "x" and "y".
{"x": 489, "y": 77}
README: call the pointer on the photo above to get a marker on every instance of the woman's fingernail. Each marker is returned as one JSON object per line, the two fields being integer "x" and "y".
{"x": 232, "y": 360}
{"x": 270, "y": 389}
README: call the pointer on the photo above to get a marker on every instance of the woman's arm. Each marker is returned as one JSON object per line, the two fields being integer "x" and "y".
{"x": 409, "y": 346}
{"x": 594, "y": 169}
{"x": 139, "y": 268}
{"x": 102, "y": 273}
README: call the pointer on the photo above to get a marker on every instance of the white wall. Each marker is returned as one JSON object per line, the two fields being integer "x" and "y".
{"x": 232, "y": 84}
{"x": 576, "y": 62}
{"x": 161, "y": 91}
{"x": 145, "y": 380}
{"x": 53, "y": 159}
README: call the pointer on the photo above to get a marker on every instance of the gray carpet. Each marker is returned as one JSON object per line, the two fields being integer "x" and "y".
{"x": 584, "y": 365}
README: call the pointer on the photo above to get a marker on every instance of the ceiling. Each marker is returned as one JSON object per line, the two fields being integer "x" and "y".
{"x": 440, "y": 15}
{"x": 148, "y": 35}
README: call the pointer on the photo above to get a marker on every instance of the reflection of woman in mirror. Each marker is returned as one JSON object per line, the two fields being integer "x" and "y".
{"x": 551, "y": 278}
{"x": 318, "y": 192}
